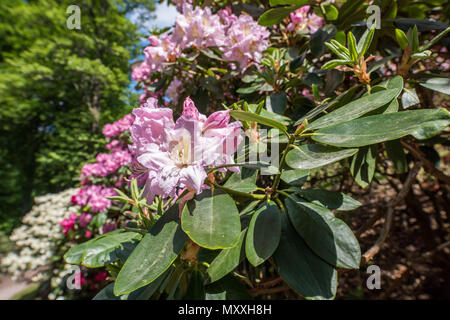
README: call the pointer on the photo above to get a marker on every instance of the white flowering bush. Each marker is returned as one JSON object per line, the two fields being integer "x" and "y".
{"x": 36, "y": 240}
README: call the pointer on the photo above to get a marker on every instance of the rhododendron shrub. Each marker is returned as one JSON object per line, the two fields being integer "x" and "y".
{"x": 241, "y": 106}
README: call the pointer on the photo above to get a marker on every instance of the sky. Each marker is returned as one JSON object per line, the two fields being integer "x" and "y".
{"x": 164, "y": 16}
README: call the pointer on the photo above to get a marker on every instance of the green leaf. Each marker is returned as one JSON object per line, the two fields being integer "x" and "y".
{"x": 295, "y": 177}
{"x": 365, "y": 41}
{"x": 107, "y": 249}
{"x": 363, "y": 163}
{"x": 276, "y": 103}
{"x": 355, "y": 109}
{"x": 143, "y": 293}
{"x": 351, "y": 43}
{"x": 311, "y": 156}
{"x": 326, "y": 235}
{"x": 226, "y": 261}
{"x": 270, "y": 115}
{"x": 435, "y": 40}
{"x": 274, "y": 16}
{"x": 335, "y": 63}
{"x": 75, "y": 254}
{"x": 339, "y": 49}
{"x": 396, "y": 154}
{"x": 196, "y": 289}
{"x": 332, "y": 200}
{"x": 409, "y": 98}
{"x": 436, "y": 84}
{"x": 212, "y": 220}
{"x": 263, "y": 234}
{"x": 248, "y": 116}
{"x": 422, "y": 124}
{"x": 401, "y": 38}
{"x": 227, "y": 288}
{"x": 331, "y": 13}
{"x": 301, "y": 269}
{"x": 153, "y": 255}
{"x": 245, "y": 181}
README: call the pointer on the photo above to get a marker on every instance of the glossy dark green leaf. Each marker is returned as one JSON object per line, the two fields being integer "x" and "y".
{"x": 248, "y": 116}
{"x": 332, "y": 200}
{"x": 263, "y": 234}
{"x": 422, "y": 124}
{"x": 74, "y": 255}
{"x": 106, "y": 249}
{"x": 363, "y": 163}
{"x": 226, "y": 261}
{"x": 326, "y": 235}
{"x": 274, "y": 16}
{"x": 295, "y": 177}
{"x": 309, "y": 156}
{"x": 436, "y": 84}
{"x": 396, "y": 154}
{"x": 212, "y": 220}
{"x": 270, "y": 115}
{"x": 319, "y": 38}
{"x": 305, "y": 272}
{"x": 355, "y": 109}
{"x": 277, "y": 102}
{"x": 227, "y": 288}
{"x": 244, "y": 181}
{"x": 196, "y": 289}
{"x": 143, "y": 293}
{"x": 153, "y": 255}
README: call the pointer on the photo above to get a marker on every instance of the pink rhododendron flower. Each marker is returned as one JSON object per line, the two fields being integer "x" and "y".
{"x": 141, "y": 72}
{"x": 198, "y": 27}
{"x": 68, "y": 223}
{"x": 245, "y": 41}
{"x": 301, "y": 20}
{"x": 100, "y": 276}
{"x": 175, "y": 155}
{"x": 94, "y": 196}
{"x": 173, "y": 90}
{"x": 84, "y": 219}
{"x": 108, "y": 227}
{"x": 88, "y": 234}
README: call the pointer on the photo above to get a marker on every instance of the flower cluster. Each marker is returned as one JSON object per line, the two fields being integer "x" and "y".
{"x": 117, "y": 127}
{"x": 36, "y": 239}
{"x": 173, "y": 156}
{"x": 302, "y": 20}
{"x": 240, "y": 39}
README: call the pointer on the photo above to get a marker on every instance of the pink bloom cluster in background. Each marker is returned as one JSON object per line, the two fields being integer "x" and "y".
{"x": 94, "y": 196}
{"x": 302, "y": 21}
{"x": 239, "y": 38}
{"x": 69, "y": 223}
{"x": 173, "y": 90}
{"x": 173, "y": 156}
{"x": 117, "y": 127}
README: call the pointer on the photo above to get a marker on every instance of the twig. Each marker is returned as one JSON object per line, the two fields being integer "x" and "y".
{"x": 427, "y": 164}
{"x": 369, "y": 254}
{"x": 270, "y": 283}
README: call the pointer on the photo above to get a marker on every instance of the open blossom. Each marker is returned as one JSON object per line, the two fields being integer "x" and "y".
{"x": 246, "y": 40}
{"x": 172, "y": 155}
{"x": 117, "y": 127}
{"x": 198, "y": 27}
{"x": 94, "y": 196}
{"x": 163, "y": 49}
{"x": 68, "y": 223}
{"x": 173, "y": 90}
{"x": 141, "y": 72}
{"x": 301, "y": 20}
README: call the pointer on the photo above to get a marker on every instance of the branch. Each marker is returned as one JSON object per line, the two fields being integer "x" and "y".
{"x": 390, "y": 214}
{"x": 427, "y": 163}
{"x": 268, "y": 291}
